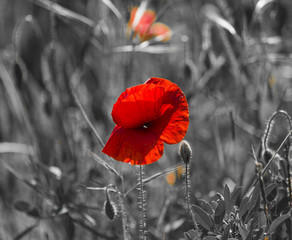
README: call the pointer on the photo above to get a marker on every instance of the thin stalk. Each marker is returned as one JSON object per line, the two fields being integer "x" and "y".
{"x": 142, "y": 212}
{"x": 287, "y": 154}
{"x": 271, "y": 124}
{"x": 188, "y": 202}
{"x": 262, "y": 187}
{"x": 126, "y": 230}
{"x": 263, "y": 193}
{"x": 187, "y": 182}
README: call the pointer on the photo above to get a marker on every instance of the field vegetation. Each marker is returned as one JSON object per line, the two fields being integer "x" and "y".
{"x": 64, "y": 64}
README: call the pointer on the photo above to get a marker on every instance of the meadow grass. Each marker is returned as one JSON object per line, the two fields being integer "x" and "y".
{"x": 64, "y": 63}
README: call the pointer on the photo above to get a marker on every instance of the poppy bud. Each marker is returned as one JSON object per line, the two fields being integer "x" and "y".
{"x": 185, "y": 152}
{"x": 268, "y": 154}
{"x": 110, "y": 210}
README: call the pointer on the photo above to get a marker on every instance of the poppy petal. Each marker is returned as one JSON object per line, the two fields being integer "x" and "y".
{"x": 160, "y": 30}
{"x": 136, "y": 146}
{"x": 140, "y": 26}
{"x": 174, "y": 118}
{"x": 138, "y": 105}
{"x": 147, "y": 19}
{"x": 130, "y": 22}
{"x": 133, "y": 14}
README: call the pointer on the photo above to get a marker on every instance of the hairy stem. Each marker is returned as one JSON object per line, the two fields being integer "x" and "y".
{"x": 141, "y": 203}
{"x": 126, "y": 230}
{"x": 187, "y": 188}
{"x": 187, "y": 183}
{"x": 270, "y": 126}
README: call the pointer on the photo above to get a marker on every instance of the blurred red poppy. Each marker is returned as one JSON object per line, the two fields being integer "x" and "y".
{"x": 146, "y": 28}
{"x": 146, "y": 117}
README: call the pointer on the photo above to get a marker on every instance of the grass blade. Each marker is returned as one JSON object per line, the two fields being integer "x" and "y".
{"x": 157, "y": 49}
{"x": 63, "y": 12}
{"x": 116, "y": 11}
{"x": 86, "y": 117}
{"x": 276, "y": 152}
{"x": 261, "y": 5}
{"x": 7, "y": 147}
{"x": 212, "y": 14}
{"x": 278, "y": 221}
{"x": 103, "y": 163}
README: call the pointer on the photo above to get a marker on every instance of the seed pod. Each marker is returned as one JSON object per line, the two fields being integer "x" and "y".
{"x": 109, "y": 207}
{"x": 110, "y": 210}
{"x": 185, "y": 152}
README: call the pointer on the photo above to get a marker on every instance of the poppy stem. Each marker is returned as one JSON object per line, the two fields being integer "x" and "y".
{"x": 126, "y": 230}
{"x": 141, "y": 203}
{"x": 188, "y": 202}
{"x": 187, "y": 188}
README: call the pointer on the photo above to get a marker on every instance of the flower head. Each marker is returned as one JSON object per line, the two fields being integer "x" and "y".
{"x": 146, "y": 28}
{"x": 146, "y": 117}
{"x": 185, "y": 151}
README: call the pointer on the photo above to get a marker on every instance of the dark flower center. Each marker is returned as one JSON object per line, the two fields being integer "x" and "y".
{"x": 146, "y": 125}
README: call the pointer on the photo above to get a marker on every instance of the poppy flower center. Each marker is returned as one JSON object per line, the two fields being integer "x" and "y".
{"x": 146, "y": 125}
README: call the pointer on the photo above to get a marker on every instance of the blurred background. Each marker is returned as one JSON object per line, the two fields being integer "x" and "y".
{"x": 61, "y": 60}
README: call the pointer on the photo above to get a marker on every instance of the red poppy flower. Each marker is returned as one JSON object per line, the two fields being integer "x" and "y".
{"x": 146, "y": 117}
{"x": 146, "y": 28}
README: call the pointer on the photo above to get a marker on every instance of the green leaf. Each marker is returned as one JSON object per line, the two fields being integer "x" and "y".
{"x": 243, "y": 231}
{"x": 271, "y": 191}
{"x": 191, "y": 235}
{"x": 258, "y": 234}
{"x": 243, "y": 207}
{"x": 202, "y": 217}
{"x": 250, "y": 226}
{"x": 255, "y": 197}
{"x": 226, "y": 233}
{"x": 227, "y": 198}
{"x": 220, "y": 212}
{"x": 187, "y": 236}
{"x": 205, "y": 206}
{"x": 278, "y": 221}
{"x": 235, "y": 194}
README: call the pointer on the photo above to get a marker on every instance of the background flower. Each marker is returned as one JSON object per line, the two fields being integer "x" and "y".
{"x": 146, "y": 28}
